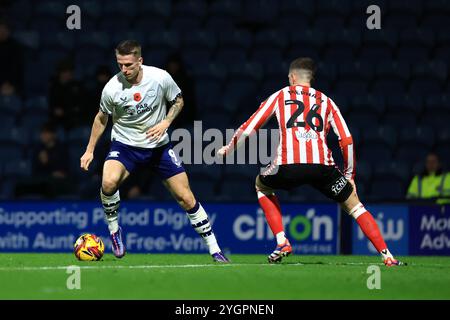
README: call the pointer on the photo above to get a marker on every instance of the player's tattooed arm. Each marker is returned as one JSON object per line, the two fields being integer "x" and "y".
{"x": 176, "y": 106}
{"x": 157, "y": 131}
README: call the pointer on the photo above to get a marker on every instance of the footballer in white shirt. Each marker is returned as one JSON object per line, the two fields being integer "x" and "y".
{"x": 137, "y": 98}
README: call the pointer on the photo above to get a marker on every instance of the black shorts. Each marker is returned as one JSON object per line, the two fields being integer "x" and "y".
{"x": 327, "y": 179}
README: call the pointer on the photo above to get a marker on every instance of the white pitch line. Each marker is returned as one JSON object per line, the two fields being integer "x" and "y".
{"x": 45, "y": 268}
{"x": 94, "y": 267}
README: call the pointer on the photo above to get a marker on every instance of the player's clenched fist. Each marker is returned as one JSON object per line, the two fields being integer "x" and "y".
{"x": 86, "y": 160}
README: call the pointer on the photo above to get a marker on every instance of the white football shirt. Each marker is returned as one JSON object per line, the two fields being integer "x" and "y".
{"x": 136, "y": 108}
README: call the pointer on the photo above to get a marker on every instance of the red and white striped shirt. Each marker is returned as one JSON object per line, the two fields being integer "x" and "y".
{"x": 304, "y": 116}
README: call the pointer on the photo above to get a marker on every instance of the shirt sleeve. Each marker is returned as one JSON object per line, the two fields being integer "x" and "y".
{"x": 170, "y": 88}
{"x": 256, "y": 121}
{"x": 106, "y": 104}
{"x": 345, "y": 139}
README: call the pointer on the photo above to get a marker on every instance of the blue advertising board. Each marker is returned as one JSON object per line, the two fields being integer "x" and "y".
{"x": 164, "y": 227}
{"x": 393, "y": 221}
{"x": 429, "y": 230}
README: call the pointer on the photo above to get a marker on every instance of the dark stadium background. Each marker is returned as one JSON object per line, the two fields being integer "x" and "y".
{"x": 391, "y": 84}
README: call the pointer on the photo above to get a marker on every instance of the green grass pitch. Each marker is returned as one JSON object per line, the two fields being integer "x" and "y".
{"x": 189, "y": 276}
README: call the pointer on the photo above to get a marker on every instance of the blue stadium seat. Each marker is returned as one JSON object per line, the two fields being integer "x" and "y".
{"x": 213, "y": 172}
{"x": 203, "y": 187}
{"x": 436, "y": 6}
{"x": 399, "y": 117}
{"x": 405, "y": 103}
{"x": 236, "y": 39}
{"x": 400, "y": 170}
{"x": 443, "y": 150}
{"x": 350, "y": 87}
{"x": 266, "y": 55}
{"x": 60, "y": 40}
{"x": 154, "y": 56}
{"x": 374, "y": 152}
{"x": 191, "y": 8}
{"x": 412, "y": 7}
{"x": 205, "y": 72}
{"x": 333, "y": 7}
{"x": 91, "y": 8}
{"x": 153, "y": 8}
{"x": 44, "y": 24}
{"x": 113, "y": 23}
{"x": 10, "y": 104}
{"x": 428, "y": 86}
{"x": 411, "y": 153}
{"x": 381, "y": 134}
{"x": 444, "y": 135}
{"x": 362, "y": 118}
{"x": 33, "y": 120}
{"x": 248, "y": 70}
{"x": 30, "y": 39}
{"x": 297, "y": 7}
{"x": 309, "y": 38}
{"x": 271, "y": 39}
{"x": 51, "y": 9}
{"x": 136, "y": 34}
{"x": 201, "y": 39}
{"x": 196, "y": 56}
{"x": 423, "y": 135}
{"x": 225, "y": 8}
{"x": 435, "y": 20}
{"x": 98, "y": 39}
{"x": 434, "y": 70}
{"x": 207, "y": 91}
{"x": 412, "y": 53}
{"x": 400, "y": 20}
{"x": 219, "y": 24}
{"x": 15, "y": 169}
{"x": 154, "y": 23}
{"x": 184, "y": 23}
{"x": 355, "y": 71}
{"x": 371, "y": 53}
{"x": 339, "y": 53}
{"x": 380, "y": 38}
{"x": 386, "y": 86}
{"x": 323, "y": 22}
{"x": 363, "y": 170}
{"x": 346, "y": 37}
{"x": 387, "y": 189}
{"x": 79, "y": 135}
{"x": 10, "y": 152}
{"x": 267, "y": 11}
{"x": 230, "y": 55}
{"x": 9, "y": 134}
{"x": 167, "y": 39}
{"x": 121, "y": 8}
{"x": 293, "y": 21}
{"x": 372, "y": 103}
{"x": 238, "y": 189}
{"x": 235, "y": 91}
{"x": 413, "y": 37}
{"x": 393, "y": 70}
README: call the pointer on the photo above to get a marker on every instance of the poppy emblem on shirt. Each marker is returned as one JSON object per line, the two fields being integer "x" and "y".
{"x": 137, "y": 97}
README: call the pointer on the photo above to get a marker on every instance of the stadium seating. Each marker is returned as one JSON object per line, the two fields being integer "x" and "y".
{"x": 391, "y": 85}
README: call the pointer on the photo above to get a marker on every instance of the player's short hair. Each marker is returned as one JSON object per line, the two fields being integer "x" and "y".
{"x": 304, "y": 63}
{"x": 129, "y": 47}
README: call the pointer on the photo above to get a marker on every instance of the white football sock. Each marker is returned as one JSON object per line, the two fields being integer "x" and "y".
{"x": 281, "y": 237}
{"x": 386, "y": 254}
{"x": 200, "y": 223}
{"x": 110, "y": 206}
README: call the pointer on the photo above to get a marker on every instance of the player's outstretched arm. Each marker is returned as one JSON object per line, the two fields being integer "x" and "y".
{"x": 156, "y": 132}
{"x": 99, "y": 125}
{"x": 256, "y": 121}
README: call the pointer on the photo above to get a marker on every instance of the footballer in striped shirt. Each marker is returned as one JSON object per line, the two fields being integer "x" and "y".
{"x": 305, "y": 116}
